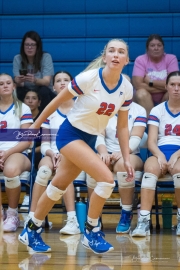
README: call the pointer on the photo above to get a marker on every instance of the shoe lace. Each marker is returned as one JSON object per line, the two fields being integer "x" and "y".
{"x": 141, "y": 224}
{"x": 96, "y": 236}
{"x": 71, "y": 221}
{"x": 37, "y": 238}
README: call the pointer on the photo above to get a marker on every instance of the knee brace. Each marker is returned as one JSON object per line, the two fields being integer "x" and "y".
{"x": 176, "y": 179}
{"x": 104, "y": 189}
{"x": 43, "y": 175}
{"x": 13, "y": 182}
{"x": 91, "y": 183}
{"x": 54, "y": 193}
{"x": 149, "y": 181}
{"x": 122, "y": 183}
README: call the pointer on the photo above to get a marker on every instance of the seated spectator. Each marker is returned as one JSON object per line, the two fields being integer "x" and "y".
{"x": 109, "y": 150}
{"x": 150, "y": 72}
{"x": 33, "y": 100}
{"x": 13, "y": 153}
{"x": 49, "y": 162}
{"x": 164, "y": 144}
{"x": 33, "y": 69}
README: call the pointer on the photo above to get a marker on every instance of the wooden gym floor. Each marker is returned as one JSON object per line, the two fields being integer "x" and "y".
{"x": 159, "y": 251}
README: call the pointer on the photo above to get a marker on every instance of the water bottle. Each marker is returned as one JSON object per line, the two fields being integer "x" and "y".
{"x": 81, "y": 210}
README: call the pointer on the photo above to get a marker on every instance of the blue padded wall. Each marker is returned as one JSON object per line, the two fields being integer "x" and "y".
{"x": 75, "y": 32}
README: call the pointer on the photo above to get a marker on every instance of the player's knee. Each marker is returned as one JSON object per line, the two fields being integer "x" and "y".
{"x": 104, "y": 189}
{"x": 176, "y": 179}
{"x": 54, "y": 193}
{"x": 91, "y": 182}
{"x": 122, "y": 183}
{"x": 149, "y": 181}
{"x": 43, "y": 175}
{"x": 12, "y": 182}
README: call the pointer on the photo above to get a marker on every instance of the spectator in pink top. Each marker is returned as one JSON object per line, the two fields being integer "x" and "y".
{"x": 150, "y": 72}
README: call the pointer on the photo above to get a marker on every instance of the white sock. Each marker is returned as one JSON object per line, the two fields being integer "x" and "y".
{"x": 31, "y": 214}
{"x": 37, "y": 222}
{"x": 71, "y": 214}
{"x": 15, "y": 210}
{"x": 144, "y": 212}
{"x": 127, "y": 207}
{"x": 92, "y": 221}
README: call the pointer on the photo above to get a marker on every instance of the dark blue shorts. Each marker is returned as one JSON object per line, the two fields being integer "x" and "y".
{"x": 67, "y": 133}
{"x": 168, "y": 150}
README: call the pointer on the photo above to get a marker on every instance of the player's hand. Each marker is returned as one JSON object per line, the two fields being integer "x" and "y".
{"x": 116, "y": 156}
{"x": 106, "y": 158}
{"x": 56, "y": 160}
{"x": 173, "y": 159}
{"x": 130, "y": 171}
{"x": 3, "y": 156}
{"x": 162, "y": 163}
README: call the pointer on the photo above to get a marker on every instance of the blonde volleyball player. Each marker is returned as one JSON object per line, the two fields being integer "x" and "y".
{"x": 13, "y": 153}
{"x": 101, "y": 93}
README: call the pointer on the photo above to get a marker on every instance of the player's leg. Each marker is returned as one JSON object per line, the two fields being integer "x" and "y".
{"x": 13, "y": 167}
{"x": 148, "y": 186}
{"x": 126, "y": 191}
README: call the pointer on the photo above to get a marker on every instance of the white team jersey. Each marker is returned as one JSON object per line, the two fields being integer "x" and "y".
{"x": 8, "y": 120}
{"x": 53, "y": 123}
{"x": 168, "y": 124}
{"x": 96, "y": 104}
{"x": 136, "y": 117}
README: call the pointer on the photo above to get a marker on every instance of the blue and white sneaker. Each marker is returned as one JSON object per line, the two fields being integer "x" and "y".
{"x": 32, "y": 239}
{"x": 124, "y": 224}
{"x": 96, "y": 242}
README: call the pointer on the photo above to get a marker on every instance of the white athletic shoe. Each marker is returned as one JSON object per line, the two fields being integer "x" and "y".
{"x": 143, "y": 226}
{"x": 178, "y": 225}
{"x": 71, "y": 227}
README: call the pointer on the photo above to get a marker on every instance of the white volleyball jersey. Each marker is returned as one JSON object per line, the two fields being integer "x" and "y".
{"x": 136, "y": 117}
{"x": 53, "y": 123}
{"x": 96, "y": 104}
{"x": 8, "y": 120}
{"x": 168, "y": 124}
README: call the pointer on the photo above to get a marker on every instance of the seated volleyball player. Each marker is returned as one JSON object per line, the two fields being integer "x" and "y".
{"x": 52, "y": 157}
{"x": 109, "y": 150}
{"x": 164, "y": 144}
{"x": 13, "y": 153}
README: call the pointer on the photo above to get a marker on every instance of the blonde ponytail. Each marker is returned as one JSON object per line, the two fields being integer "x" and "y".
{"x": 17, "y": 104}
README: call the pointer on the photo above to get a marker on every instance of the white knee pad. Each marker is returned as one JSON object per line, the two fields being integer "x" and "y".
{"x": 176, "y": 179}
{"x": 43, "y": 175}
{"x": 122, "y": 183}
{"x": 104, "y": 189}
{"x": 54, "y": 193}
{"x": 13, "y": 182}
{"x": 91, "y": 183}
{"x": 149, "y": 181}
